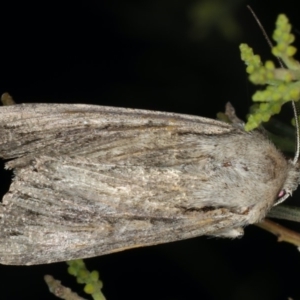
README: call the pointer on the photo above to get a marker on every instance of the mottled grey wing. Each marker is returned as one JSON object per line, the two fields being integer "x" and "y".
{"x": 93, "y": 131}
{"x": 91, "y": 180}
{"x": 58, "y": 210}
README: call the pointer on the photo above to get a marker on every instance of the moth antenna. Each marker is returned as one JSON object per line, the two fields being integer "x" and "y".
{"x": 295, "y": 110}
{"x": 261, "y": 28}
{"x": 297, "y": 150}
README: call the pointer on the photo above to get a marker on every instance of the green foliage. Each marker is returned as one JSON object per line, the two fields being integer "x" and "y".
{"x": 210, "y": 16}
{"x": 282, "y": 84}
{"x": 91, "y": 280}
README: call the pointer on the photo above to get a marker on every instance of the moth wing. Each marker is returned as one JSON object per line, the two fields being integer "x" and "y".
{"x": 29, "y": 130}
{"x": 58, "y": 210}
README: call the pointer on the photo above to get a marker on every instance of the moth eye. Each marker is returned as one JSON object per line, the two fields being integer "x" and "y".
{"x": 281, "y": 193}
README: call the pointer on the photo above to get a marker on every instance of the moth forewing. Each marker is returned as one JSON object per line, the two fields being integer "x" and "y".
{"x": 91, "y": 180}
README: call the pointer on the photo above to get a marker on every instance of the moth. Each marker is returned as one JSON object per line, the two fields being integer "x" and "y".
{"x": 91, "y": 180}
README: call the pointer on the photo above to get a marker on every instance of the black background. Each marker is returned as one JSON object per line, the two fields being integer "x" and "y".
{"x": 145, "y": 54}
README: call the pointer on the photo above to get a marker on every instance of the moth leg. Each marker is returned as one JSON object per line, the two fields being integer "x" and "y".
{"x": 229, "y": 232}
{"x": 230, "y": 113}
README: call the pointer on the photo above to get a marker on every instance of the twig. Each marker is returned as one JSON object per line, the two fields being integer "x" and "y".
{"x": 60, "y": 291}
{"x": 283, "y": 234}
